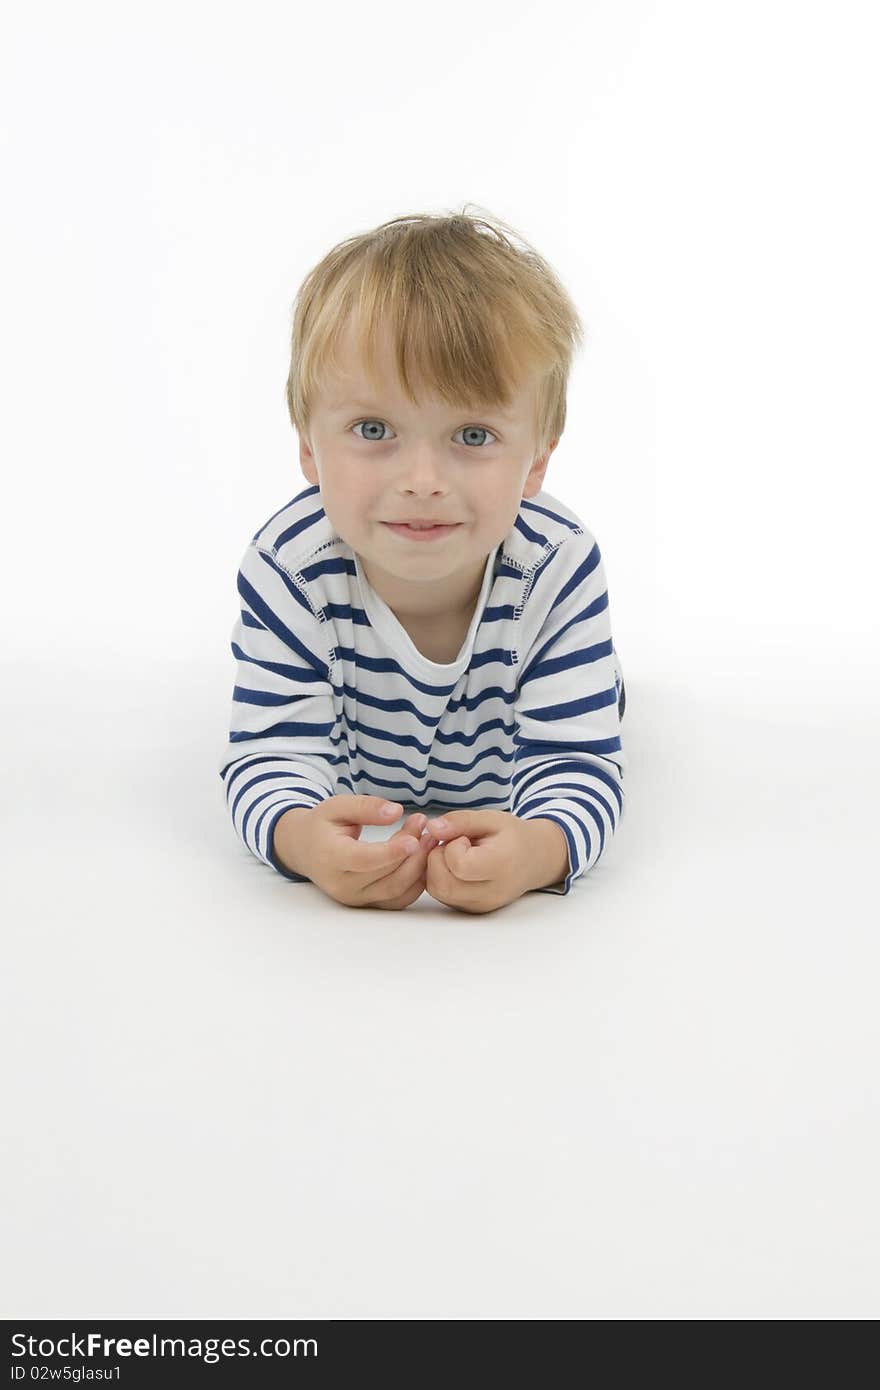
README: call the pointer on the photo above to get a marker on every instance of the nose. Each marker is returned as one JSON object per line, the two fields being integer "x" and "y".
{"x": 422, "y": 473}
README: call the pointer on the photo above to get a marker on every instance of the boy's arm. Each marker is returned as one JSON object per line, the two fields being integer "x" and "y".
{"x": 569, "y": 762}
{"x": 279, "y": 753}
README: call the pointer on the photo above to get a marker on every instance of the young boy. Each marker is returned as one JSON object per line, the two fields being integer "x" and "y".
{"x": 423, "y": 626}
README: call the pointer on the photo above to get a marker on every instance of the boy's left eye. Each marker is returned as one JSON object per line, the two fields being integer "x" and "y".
{"x": 475, "y": 429}
{"x": 465, "y": 429}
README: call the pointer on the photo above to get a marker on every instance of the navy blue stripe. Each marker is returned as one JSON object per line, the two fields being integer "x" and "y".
{"x": 270, "y": 833}
{"x": 289, "y": 729}
{"x": 587, "y": 796}
{"x": 244, "y": 764}
{"x": 280, "y": 668}
{"x": 347, "y": 611}
{"x": 466, "y": 739}
{"x": 431, "y": 792}
{"x": 585, "y": 656}
{"x": 337, "y": 564}
{"x": 298, "y": 527}
{"x": 581, "y": 574}
{"x": 306, "y": 492}
{"x": 494, "y": 692}
{"x": 586, "y": 806}
{"x": 496, "y": 655}
{"x": 521, "y": 525}
{"x": 532, "y": 776}
{"x": 242, "y": 696}
{"x": 292, "y": 588}
{"x": 392, "y": 706}
{"x": 505, "y": 756}
{"x": 540, "y": 748}
{"x": 282, "y": 632}
{"x": 585, "y": 614}
{"x": 554, "y": 516}
{"x": 387, "y": 665}
{"x": 429, "y": 782}
{"x": 568, "y": 709}
{"x": 497, "y": 613}
{"x": 383, "y": 665}
{"x": 410, "y": 741}
{"x": 245, "y": 787}
{"x": 257, "y": 801}
{"x": 295, "y": 786}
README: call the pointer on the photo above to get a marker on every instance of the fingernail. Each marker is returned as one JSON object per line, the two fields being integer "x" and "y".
{"x": 439, "y": 825}
{"x": 389, "y": 809}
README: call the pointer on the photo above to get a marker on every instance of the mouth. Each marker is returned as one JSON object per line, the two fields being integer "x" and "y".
{"x": 419, "y": 531}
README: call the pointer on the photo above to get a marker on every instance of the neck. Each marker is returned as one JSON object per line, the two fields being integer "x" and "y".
{"x": 425, "y": 603}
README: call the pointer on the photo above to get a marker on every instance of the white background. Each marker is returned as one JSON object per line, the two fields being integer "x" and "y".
{"x": 225, "y": 1095}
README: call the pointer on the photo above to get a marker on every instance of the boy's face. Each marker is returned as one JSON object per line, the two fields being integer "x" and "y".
{"x": 378, "y": 458}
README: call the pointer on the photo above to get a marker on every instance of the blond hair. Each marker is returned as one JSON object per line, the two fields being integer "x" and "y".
{"x": 470, "y": 313}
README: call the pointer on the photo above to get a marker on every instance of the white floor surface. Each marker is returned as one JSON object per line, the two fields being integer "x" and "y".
{"x": 229, "y": 1097}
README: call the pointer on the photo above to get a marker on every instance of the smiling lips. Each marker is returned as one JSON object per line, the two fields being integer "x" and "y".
{"x": 422, "y": 530}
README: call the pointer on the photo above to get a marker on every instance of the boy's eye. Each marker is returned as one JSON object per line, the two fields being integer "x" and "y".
{"x": 374, "y": 425}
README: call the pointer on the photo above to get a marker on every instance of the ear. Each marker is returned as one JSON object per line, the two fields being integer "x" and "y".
{"x": 535, "y": 477}
{"x": 307, "y": 461}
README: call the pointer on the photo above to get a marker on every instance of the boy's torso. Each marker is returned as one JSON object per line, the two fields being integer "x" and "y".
{"x": 401, "y": 727}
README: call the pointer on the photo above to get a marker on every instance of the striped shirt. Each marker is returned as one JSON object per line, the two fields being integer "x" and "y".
{"x": 332, "y": 696}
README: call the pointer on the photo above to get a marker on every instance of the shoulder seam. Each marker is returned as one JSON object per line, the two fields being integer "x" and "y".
{"x": 302, "y": 584}
{"x": 529, "y": 574}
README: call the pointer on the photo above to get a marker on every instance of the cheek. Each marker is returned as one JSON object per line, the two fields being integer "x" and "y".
{"x": 352, "y": 494}
{"x": 496, "y": 504}
{"x": 363, "y": 502}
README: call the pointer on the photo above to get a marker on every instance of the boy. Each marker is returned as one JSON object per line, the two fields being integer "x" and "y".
{"x": 423, "y": 626}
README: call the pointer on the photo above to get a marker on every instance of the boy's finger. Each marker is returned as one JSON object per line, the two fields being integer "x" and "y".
{"x": 415, "y": 824}
{"x": 377, "y": 856}
{"x": 411, "y": 829}
{"x": 466, "y": 861}
{"x": 360, "y": 809}
{"x": 455, "y": 823}
{"x": 373, "y": 856}
{"x": 439, "y": 875}
{"x": 456, "y": 850}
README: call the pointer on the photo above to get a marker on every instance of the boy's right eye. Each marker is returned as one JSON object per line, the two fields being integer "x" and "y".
{"x": 375, "y": 438}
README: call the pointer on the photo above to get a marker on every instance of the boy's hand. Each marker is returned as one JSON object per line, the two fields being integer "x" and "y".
{"x": 322, "y": 843}
{"x": 486, "y": 860}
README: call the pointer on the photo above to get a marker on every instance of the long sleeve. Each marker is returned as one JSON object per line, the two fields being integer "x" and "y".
{"x": 568, "y": 762}
{"x": 279, "y": 753}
